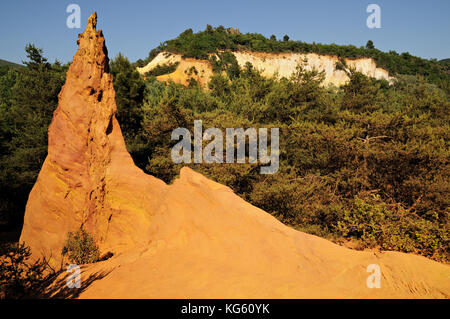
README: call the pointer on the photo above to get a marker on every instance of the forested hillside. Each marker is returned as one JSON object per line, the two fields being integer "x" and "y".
{"x": 214, "y": 40}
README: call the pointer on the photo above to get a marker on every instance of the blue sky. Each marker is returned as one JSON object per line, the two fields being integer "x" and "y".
{"x": 421, "y": 28}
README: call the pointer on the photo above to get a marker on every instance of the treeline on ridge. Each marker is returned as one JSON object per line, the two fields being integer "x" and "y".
{"x": 214, "y": 40}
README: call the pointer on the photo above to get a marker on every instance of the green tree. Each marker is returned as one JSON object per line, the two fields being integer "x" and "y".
{"x": 129, "y": 89}
{"x": 26, "y": 106}
{"x": 35, "y": 57}
{"x": 360, "y": 93}
{"x": 369, "y": 45}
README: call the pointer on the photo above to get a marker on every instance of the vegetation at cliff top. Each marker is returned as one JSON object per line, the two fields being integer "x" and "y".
{"x": 213, "y": 40}
{"x": 161, "y": 69}
{"x": 366, "y": 162}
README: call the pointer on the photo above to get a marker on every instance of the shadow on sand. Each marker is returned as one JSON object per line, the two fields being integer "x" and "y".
{"x": 55, "y": 287}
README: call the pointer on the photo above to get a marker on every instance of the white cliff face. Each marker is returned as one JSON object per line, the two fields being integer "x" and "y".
{"x": 283, "y": 65}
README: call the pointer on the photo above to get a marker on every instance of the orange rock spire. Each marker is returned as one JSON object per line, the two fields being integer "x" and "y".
{"x": 86, "y": 156}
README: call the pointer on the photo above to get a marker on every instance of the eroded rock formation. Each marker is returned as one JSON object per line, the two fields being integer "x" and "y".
{"x": 88, "y": 178}
{"x": 192, "y": 239}
{"x": 270, "y": 64}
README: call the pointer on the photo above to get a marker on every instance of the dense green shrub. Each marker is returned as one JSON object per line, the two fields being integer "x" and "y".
{"x": 129, "y": 89}
{"x": 393, "y": 228}
{"x": 80, "y": 248}
{"x": 161, "y": 69}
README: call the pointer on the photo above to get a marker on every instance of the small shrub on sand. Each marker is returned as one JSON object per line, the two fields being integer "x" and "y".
{"x": 81, "y": 248}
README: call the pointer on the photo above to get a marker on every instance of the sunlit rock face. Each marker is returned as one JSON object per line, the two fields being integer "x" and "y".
{"x": 88, "y": 178}
{"x": 270, "y": 64}
{"x": 284, "y": 64}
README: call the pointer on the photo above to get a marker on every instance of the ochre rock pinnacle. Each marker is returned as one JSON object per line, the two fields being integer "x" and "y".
{"x": 88, "y": 178}
{"x": 92, "y": 21}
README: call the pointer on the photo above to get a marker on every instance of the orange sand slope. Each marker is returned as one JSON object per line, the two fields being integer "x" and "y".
{"x": 192, "y": 239}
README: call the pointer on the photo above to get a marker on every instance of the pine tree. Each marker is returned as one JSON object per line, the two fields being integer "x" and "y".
{"x": 27, "y": 112}
{"x": 129, "y": 89}
{"x": 369, "y": 45}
